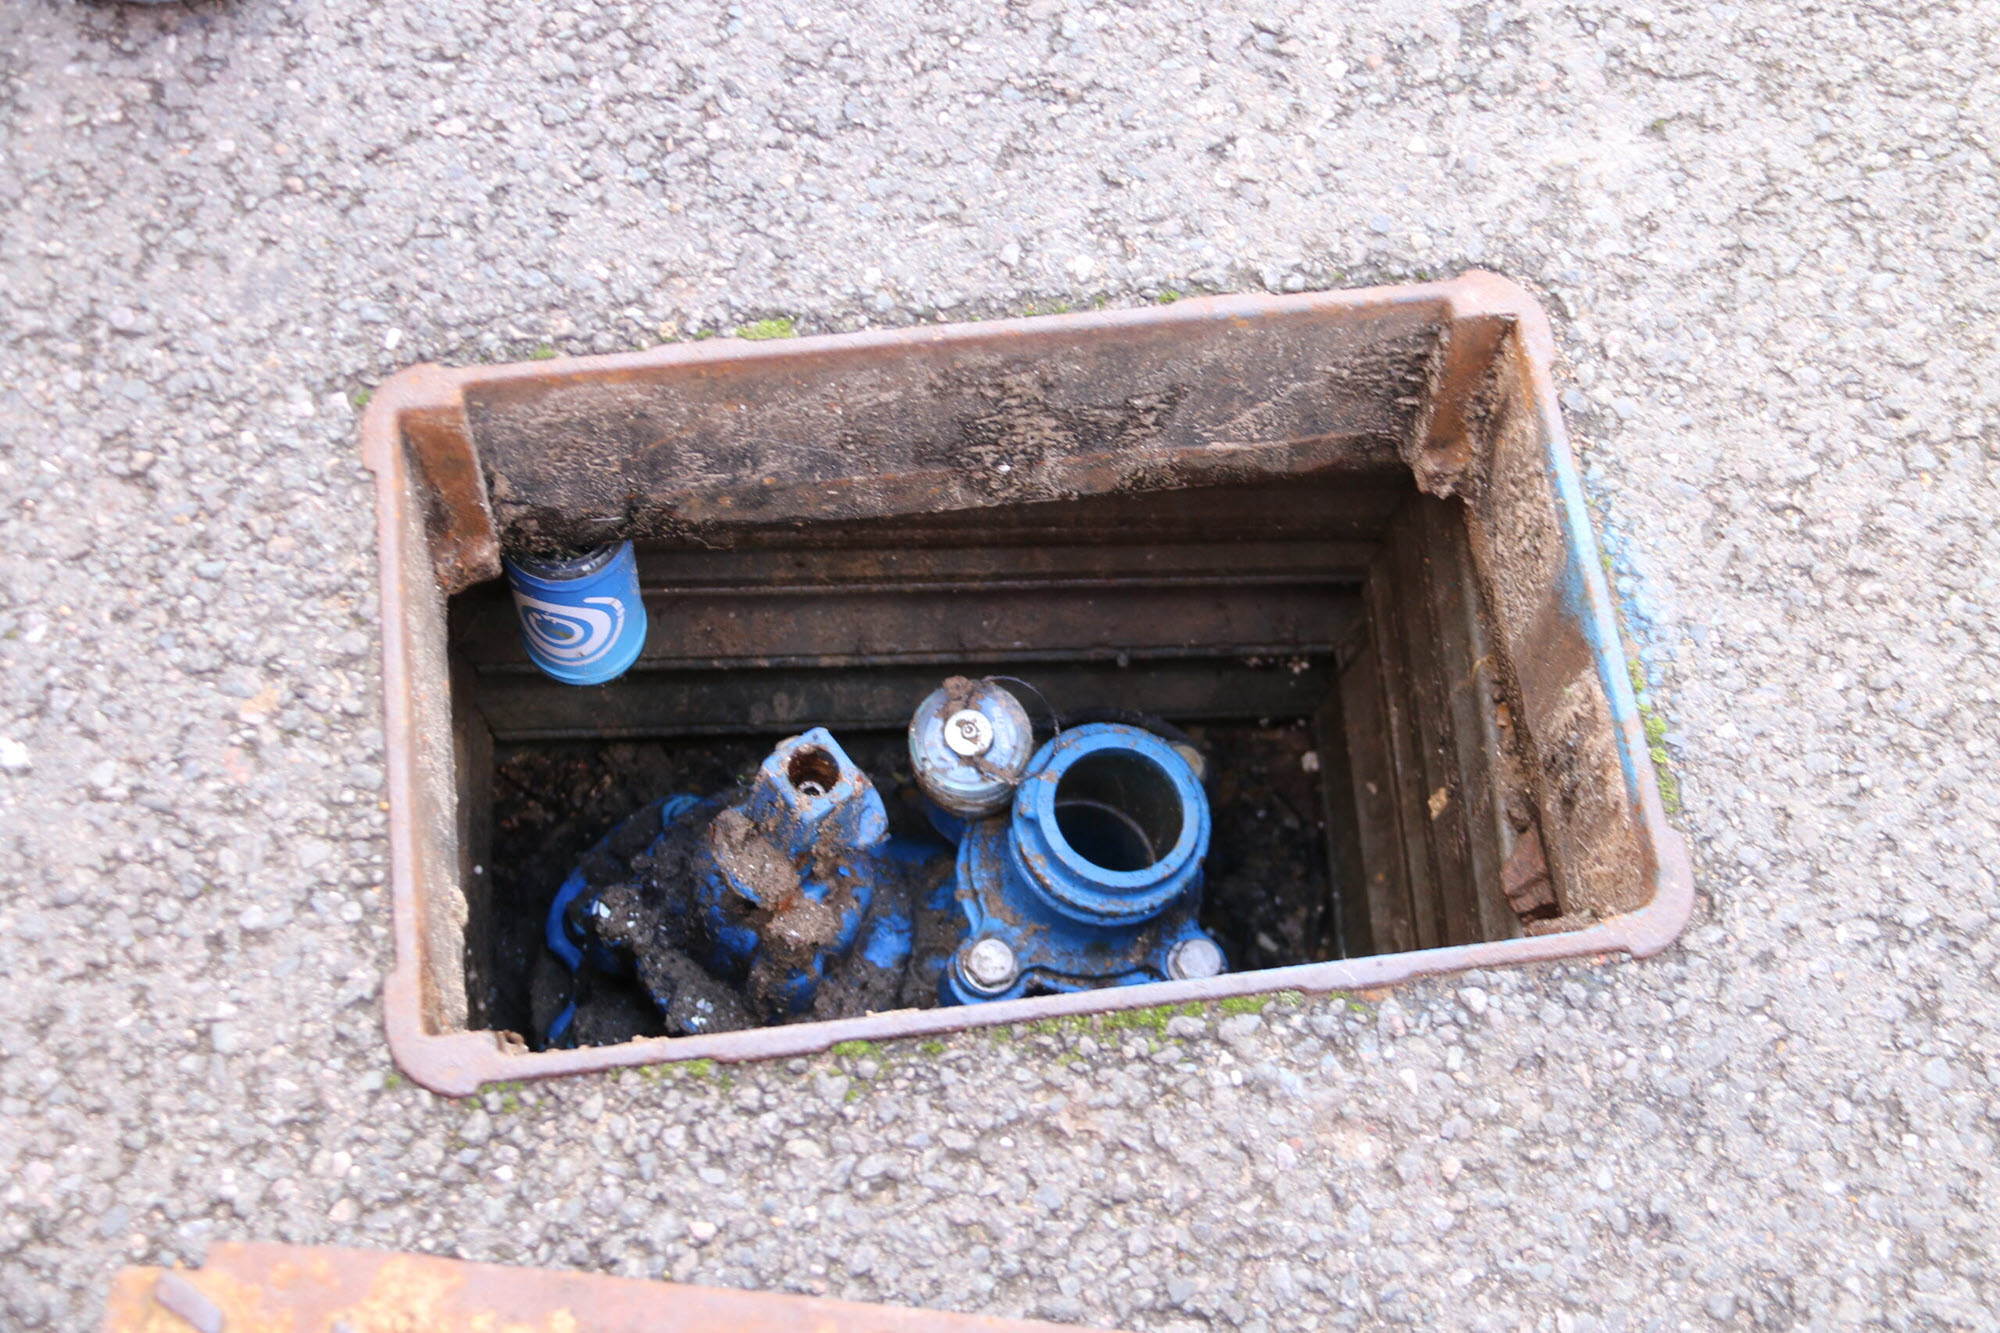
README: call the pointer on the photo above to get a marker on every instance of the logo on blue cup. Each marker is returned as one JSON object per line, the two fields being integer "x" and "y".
{"x": 581, "y": 617}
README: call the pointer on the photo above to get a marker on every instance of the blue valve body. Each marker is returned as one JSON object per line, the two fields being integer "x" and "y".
{"x": 782, "y": 885}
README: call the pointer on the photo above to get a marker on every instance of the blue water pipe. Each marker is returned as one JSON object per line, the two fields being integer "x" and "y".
{"x": 582, "y": 619}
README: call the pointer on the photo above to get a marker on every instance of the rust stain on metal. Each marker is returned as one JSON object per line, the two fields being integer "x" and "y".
{"x": 1440, "y": 443}
{"x": 311, "y": 1289}
{"x": 465, "y": 545}
{"x": 749, "y": 855}
{"x": 1525, "y": 879}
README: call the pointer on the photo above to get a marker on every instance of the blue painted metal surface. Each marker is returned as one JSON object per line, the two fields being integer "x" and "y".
{"x": 784, "y": 880}
{"x": 1094, "y": 877}
{"x": 567, "y": 930}
{"x": 780, "y": 885}
{"x": 581, "y": 617}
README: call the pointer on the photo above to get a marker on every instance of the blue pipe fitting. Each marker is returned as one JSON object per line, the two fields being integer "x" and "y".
{"x": 785, "y": 878}
{"x": 582, "y": 620}
{"x": 741, "y": 906}
{"x": 1093, "y": 880}
{"x": 1110, "y": 826}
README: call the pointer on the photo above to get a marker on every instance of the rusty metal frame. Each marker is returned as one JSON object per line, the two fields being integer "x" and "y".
{"x": 1490, "y": 397}
{"x": 263, "y": 1288}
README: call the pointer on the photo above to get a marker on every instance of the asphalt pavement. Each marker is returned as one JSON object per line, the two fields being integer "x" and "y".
{"x": 1768, "y": 234}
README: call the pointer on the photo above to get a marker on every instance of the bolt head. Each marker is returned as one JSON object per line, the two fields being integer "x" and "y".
{"x": 989, "y": 965}
{"x": 1191, "y": 960}
{"x": 968, "y": 733}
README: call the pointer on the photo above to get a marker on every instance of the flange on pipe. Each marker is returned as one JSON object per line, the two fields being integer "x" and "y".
{"x": 1091, "y": 878}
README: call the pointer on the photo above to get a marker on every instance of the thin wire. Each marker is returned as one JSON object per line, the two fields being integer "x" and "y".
{"x": 1055, "y": 718}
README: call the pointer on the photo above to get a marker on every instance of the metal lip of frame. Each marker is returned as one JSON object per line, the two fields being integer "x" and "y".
{"x": 430, "y": 494}
{"x": 245, "y": 1286}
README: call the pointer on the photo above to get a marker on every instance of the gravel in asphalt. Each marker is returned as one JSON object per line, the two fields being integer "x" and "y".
{"x": 1767, "y": 232}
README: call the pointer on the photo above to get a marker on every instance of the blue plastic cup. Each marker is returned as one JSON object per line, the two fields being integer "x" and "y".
{"x": 581, "y": 617}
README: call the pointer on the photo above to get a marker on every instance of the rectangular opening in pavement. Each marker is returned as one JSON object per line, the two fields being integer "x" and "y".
{"x": 1329, "y": 545}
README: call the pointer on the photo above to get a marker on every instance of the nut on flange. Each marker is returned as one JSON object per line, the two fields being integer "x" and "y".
{"x": 988, "y": 965}
{"x": 1192, "y": 960}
